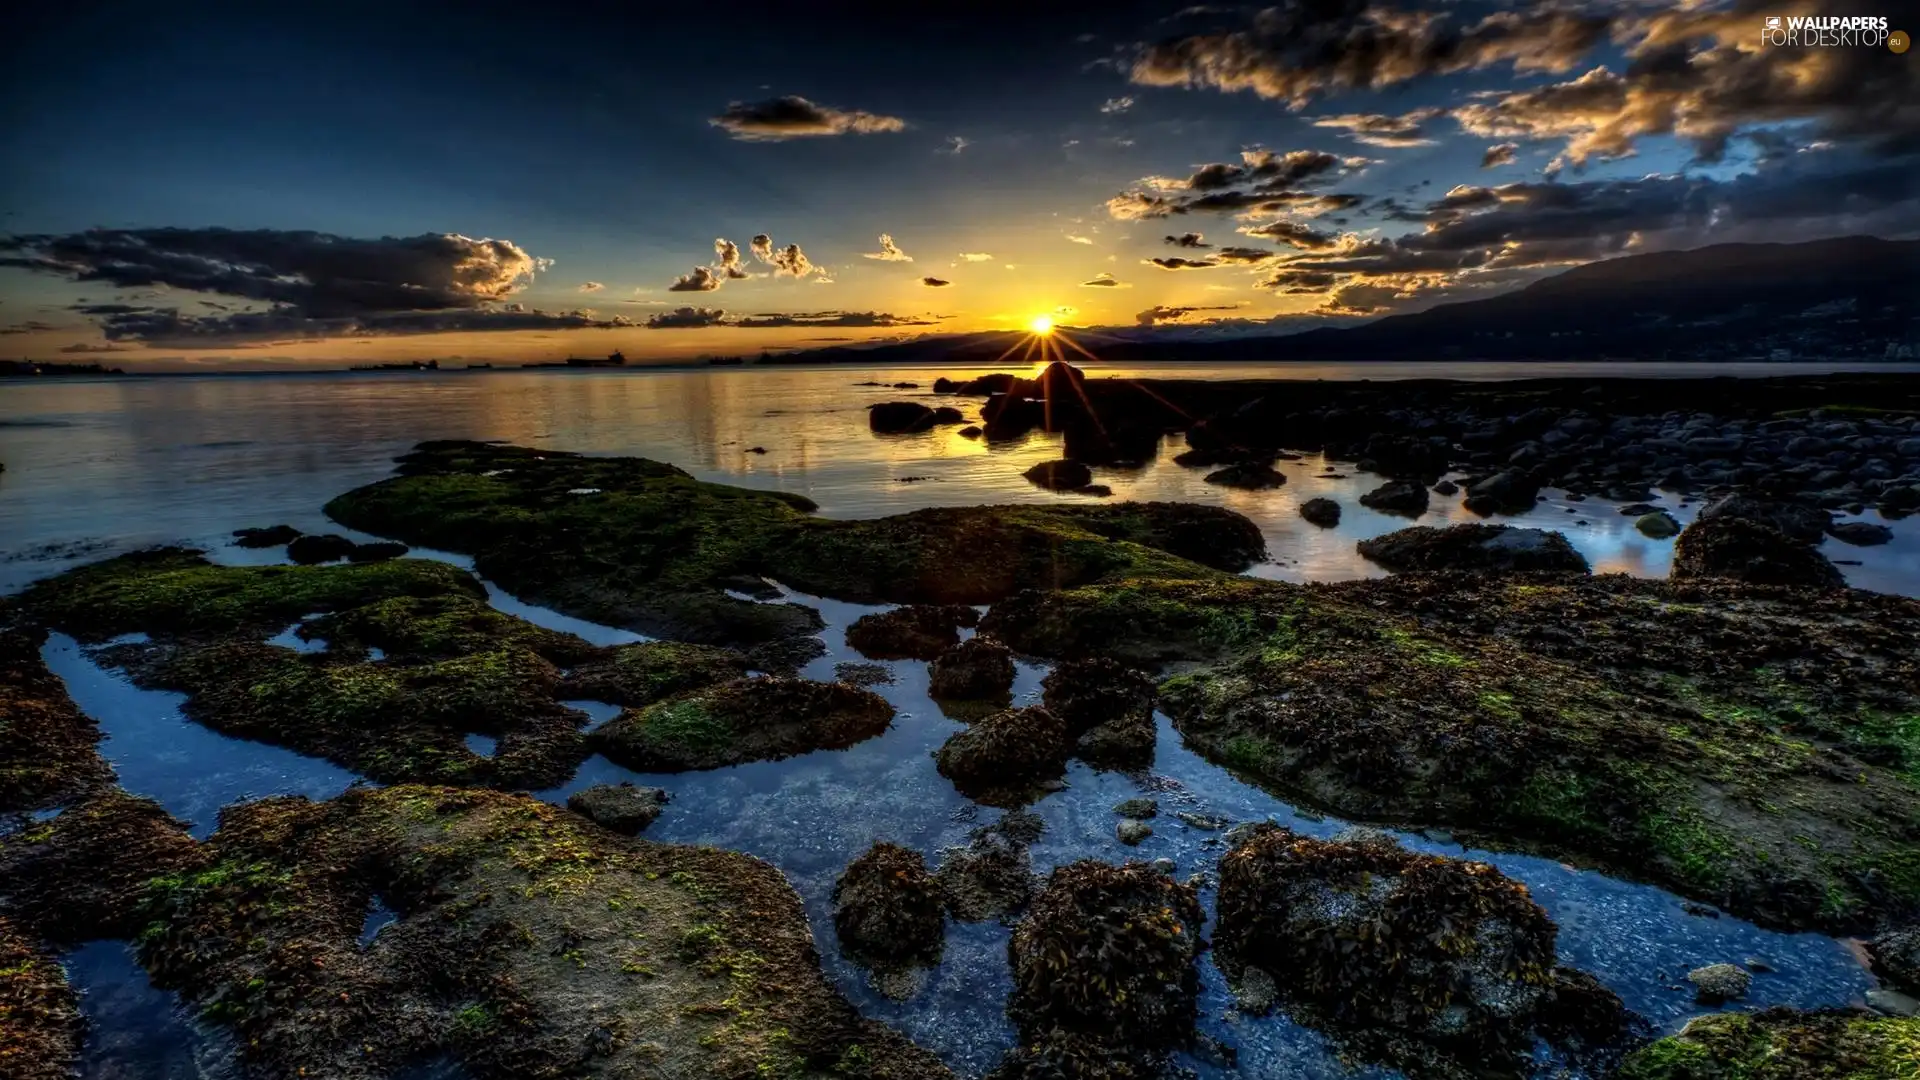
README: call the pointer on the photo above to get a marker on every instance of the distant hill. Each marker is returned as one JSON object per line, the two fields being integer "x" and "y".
{"x": 1843, "y": 298}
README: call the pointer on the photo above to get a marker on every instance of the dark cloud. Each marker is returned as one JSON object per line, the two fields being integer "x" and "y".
{"x": 29, "y": 327}
{"x": 1299, "y": 281}
{"x": 85, "y": 349}
{"x": 1378, "y": 129}
{"x": 1188, "y": 240}
{"x": 833, "y": 318}
{"x": 1160, "y": 313}
{"x": 699, "y": 279}
{"x": 794, "y": 117}
{"x": 1499, "y": 154}
{"x": 1245, "y": 255}
{"x": 686, "y": 318}
{"x": 1303, "y": 49}
{"x": 1291, "y": 233}
{"x": 1103, "y": 280}
{"x": 935, "y": 283}
{"x": 169, "y": 328}
{"x": 591, "y": 286}
{"x": 1138, "y": 205}
{"x": 126, "y": 309}
{"x": 1174, "y": 262}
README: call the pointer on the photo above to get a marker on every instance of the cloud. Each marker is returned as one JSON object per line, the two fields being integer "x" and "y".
{"x": 1498, "y": 155}
{"x": 1078, "y": 239}
{"x": 1174, "y": 262}
{"x": 833, "y": 319}
{"x": 29, "y": 327}
{"x": 728, "y": 254}
{"x": 1138, "y": 205}
{"x": 1377, "y": 129}
{"x": 86, "y": 349}
{"x": 789, "y": 260}
{"x": 1246, "y": 255}
{"x": 795, "y": 117}
{"x": 1103, "y": 280}
{"x": 975, "y": 256}
{"x": 1188, "y": 240}
{"x": 1117, "y": 105}
{"x": 1160, "y": 313}
{"x": 1268, "y": 180}
{"x": 889, "y": 252}
{"x": 1291, "y": 233}
{"x": 699, "y": 279}
{"x": 934, "y": 282}
{"x": 591, "y": 286}
{"x": 955, "y": 144}
{"x": 169, "y": 328}
{"x": 1304, "y": 49}
{"x": 686, "y": 318}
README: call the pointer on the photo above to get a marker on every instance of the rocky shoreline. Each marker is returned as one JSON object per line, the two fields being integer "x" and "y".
{"x": 1763, "y": 757}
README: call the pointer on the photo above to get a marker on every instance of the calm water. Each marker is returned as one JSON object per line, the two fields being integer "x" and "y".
{"x": 102, "y": 466}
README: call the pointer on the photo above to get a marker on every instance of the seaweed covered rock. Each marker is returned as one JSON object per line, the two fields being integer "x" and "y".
{"x": 888, "y": 913}
{"x": 1003, "y": 759}
{"x": 643, "y": 673}
{"x": 1896, "y": 956}
{"x": 1745, "y": 550}
{"x": 911, "y": 632}
{"x": 1781, "y": 1044}
{"x": 269, "y": 536}
{"x": 1107, "y": 707}
{"x": 409, "y": 627}
{"x": 1405, "y": 497}
{"x": 82, "y": 874}
{"x": 1248, "y": 476}
{"x": 1322, "y": 512}
{"x": 40, "y": 1021}
{"x": 978, "y": 669}
{"x": 528, "y": 942}
{"x": 760, "y": 719}
{"x": 1064, "y": 1055}
{"x": 991, "y": 876}
{"x": 622, "y": 807}
{"x": 1717, "y": 983}
{"x": 1861, "y": 533}
{"x": 1496, "y": 548}
{"x": 47, "y": 745}
{"x": 1366, "y": 936}
{"x": 1806, "y": 524}
{"x": 1108, "y": 953}
{"x": 1657, "y": 525}
{"x": 319, "y": 548}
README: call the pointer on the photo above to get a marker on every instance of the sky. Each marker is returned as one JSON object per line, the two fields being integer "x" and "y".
{"x": 202, "y": 186}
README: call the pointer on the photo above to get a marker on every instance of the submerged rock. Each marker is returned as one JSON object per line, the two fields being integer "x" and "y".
{"x": 1500, "y": 548}
{"x": 1059, "y": 475}
{"x": 1248, "y": 476}
{"x": 1226, "y": 455}
{"x": 1322, "y": 512}
{"x": 1779, "y": 1044}
{"x": 622, "y": 807}
{"x": 270, "y": 536}
{"x": 1657, "y": 525}
{"x": 1131, "y": 832}
{"x": 888, "y": 912}
{"x": 992, "y": 876}
{"x": 858, "y": 674}
{"x": 1806, "y": 524}
{"x": 1003, "y": 759}
{"x": 759, "y": 719}
{"x": 325, "y": 547}
{"x": 1405, "y": 497}
{"x": 912, "y": 632}
{"x": 1745, "y": 550}
{"x": 978, "y": 669}
{"x": 1717, "y": 983}
{"x": 1107, "y": 707}
{"x": 1860, "y": 533}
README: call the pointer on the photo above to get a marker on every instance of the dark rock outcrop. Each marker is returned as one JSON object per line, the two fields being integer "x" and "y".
{"x": 912, "y": 632}
{"x": 1896, "y": 956}
{"x": 622, "y": 807}
{"x": 1248, "y": 476}
{"x": 899, "y": 418}
{"x": 1745, "y": 550}
{"x": 1806, "y": 524}
{"x": 1405, "y": 497}
{"x": 888, "y": 913}
{"x": 1860, "y": 533}
{"x": 1004, "y": 759}
{"x": 1322, "y": 512}
{"x": 760, "y": 719}
{"x": 1498, "y": 548}
{"x": 1107, "y": 707}
{"x": 324, "y": 547}
{"x": 270, "y": 536}
{"x": 978, "y": 669}
{"x": 376, "y": 551}
{"x": 1059, "y": 475}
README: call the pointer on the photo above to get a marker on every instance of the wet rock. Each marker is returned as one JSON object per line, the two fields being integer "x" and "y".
{"x": 270, "y": 536}
{"x": 527, "y": 940}
{"x": 1497, "y": 548}
{"x": 1717, "y": 983}
{"x": 326, "y": 547}
{"x": 83, "y": 875}
{"x": 978, "y": 669}
{"x": 1108, "y": 953}
{"x": 1783, "y": 1043}
{"x": 1203, "y": 822}
{"x": 972, "y": 431}
{"x": 1397, "y": 497}
{"x": 1059, "y": 475}
{"x": 1097, "y": 491}
{"x": 1002, "y": 759}
{"x": 912, "y": 632}
{"x": 857, "y": 674}
{"x": 1658, "y": 525}
{"x": 1639, "y": 509}
{"x": 1896, "y": 956}
{"x": 622, "y": 807}
{"x": 1322, "y": 512}
{"x": 899, "y": 418}
{"x": 1108, "y": 707}
{"x": 1744, "y": 550}
{"x": 947, "y": 414}
{"x": 646, "y": 672}
{"x": 1892, "y": 1002}
{"x": 760, "y": 719}
{"x": 1226, "y": 455}
{"x": 43, "y": 1024}
{"x": 47, "y": 743}
{"x": 888, "y": 912}
{"x": 376, "y": 551}
{"x": 1137, "y": 809}
{"x": 1860, "y": 533}
{"x": 1248, "y": 476}
{"x": 992, "y": 876}
{"x": 1804, "y": 523}
{"x": 1131, "y": 833}
{"x": 1446, "y": 487}
{"x": 1508, "y": 492}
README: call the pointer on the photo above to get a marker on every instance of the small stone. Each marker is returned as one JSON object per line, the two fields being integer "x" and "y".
{"x": 1203, "y": 822}
{"x": 1137, "y": 809}
{"x": 1893, "y": 1002}
{"x": 1716, "y": 983}
{"x": 621, "y": 807}
{"x": 1757, "y": 965}
{"x": 1322, "y": 512}
{"x": 1165, "y": 866}
{"x": 1132, "y": 832}
{"x": 1658, "y": 525}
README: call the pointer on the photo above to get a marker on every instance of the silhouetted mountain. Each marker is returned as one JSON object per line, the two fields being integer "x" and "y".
{"x": 1853, "y": 297}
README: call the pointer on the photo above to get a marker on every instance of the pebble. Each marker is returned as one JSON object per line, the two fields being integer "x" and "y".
{"x": 1131, "y": 832}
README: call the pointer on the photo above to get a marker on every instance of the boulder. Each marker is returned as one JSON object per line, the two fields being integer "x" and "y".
{"x": 1779, "y": 1044}
{"x": 1225, "y": 455}
{"x": 992, "y": 876}
{"x": 1059, "y": 475}
{"x": 622, "y": 807}
{"x": 1744, "y": 550}
{"x": 1003, "y": 759}
{"x": 1509, "y": 492}
{"x": 1499, "y": 548}
{"x": 1715, "y": 984}
{"x": 888, "y": 912}
{"x": 1322, "y": 512}
{"x": 759, "y": 719}
{"x": 947, "y": 414}
{"x": 376, "y": 551}
{"x": 1804, "y": 523}
{"x": 978, "y": 669}
{"x": 271, "y": 536}
{"x": 1107, "y": 707}
{"x": 1248, "y": 476}
{"x": 325, "y": 547}
{"x": 1131, "y": 832}
{"x": 1896, "y": 956}
{"x": 1860, "y": 533}
{"x": 1658, "y": 525}
{"x": 972, "y": 431}
{"x": 1397, "y": 497}
{"x": 912, "y": 632}
{"x": 899, "y": 417}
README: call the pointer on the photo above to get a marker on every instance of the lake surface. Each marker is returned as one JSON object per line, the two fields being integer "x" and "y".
{"x": 100, "y": 466}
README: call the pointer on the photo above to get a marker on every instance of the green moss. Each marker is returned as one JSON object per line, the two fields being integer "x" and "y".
{"x": 1780, "y": 1044}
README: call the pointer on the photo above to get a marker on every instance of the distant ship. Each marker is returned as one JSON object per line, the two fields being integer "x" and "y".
{"x": 414, "y": 365}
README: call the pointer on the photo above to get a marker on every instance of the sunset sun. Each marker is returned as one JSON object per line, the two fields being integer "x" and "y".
{"x": 1041, "y": 325}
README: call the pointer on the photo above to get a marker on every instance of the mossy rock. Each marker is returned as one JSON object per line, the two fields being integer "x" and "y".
{"x": 40, "y": 1021}
{"x": 1108, "y": 708}
{"x": 48, "y": 749}
{"x": 635, "y": 675}
{"x": 1896, "y": 956}
{"x": 887, "y": 910}
{"x": 978, "y": 669}
{"x": 1146, "y": 622}
{"x": 440, "y": 627}
{"x": 910, "y": 632}
{"x": 81, "y": 875}
{"x": 1005, "y": 759}
{"x": 1108, "y": 952}
{"x": 1475, "y": 547}
{"x": 1745, "y": 550}
{"x": 760, "y": 719}
{"x": 622, "y": 807}
{"x": 1782, "y": 1044}
{"x": 528, "y": 942}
